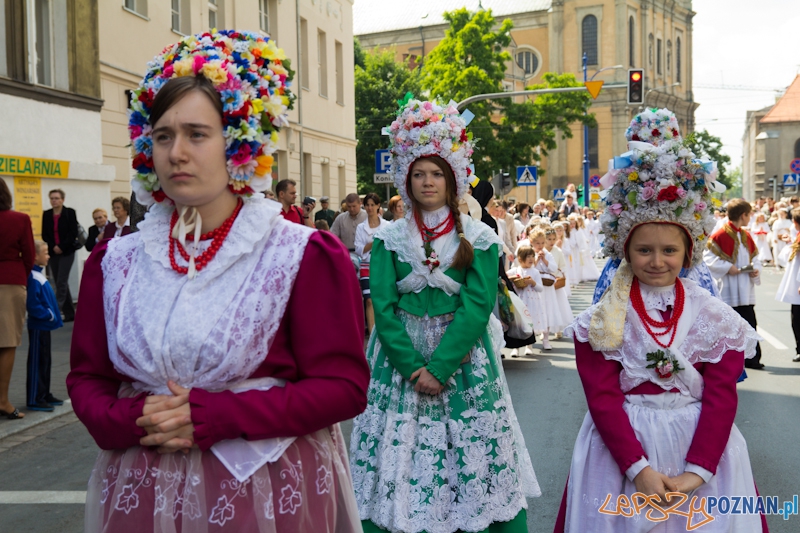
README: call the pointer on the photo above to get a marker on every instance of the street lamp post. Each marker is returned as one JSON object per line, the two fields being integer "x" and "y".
{"x": 585, "y": 145}
{"x": 644, "y": 100}
{"x": 586, "y": 133}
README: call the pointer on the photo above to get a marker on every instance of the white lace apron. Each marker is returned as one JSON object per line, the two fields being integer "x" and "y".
{"x": 664, "y": 423}
{"x": 211, "y": 332}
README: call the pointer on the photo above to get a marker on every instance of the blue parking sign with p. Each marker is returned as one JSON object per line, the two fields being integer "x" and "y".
{"x": 382, "y": 161}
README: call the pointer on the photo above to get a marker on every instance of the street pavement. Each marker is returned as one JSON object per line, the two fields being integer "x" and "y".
{"x": 46, "y": 460}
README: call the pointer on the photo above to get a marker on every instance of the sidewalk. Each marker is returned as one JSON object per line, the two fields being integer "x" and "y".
{"x": 61, "y": 340}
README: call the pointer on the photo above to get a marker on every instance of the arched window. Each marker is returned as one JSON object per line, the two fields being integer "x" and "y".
{"x": 631, "y": 42}
{"x": 678, "y": 59}
{"x": 669, "y": 56}
{"x": 589, "y": 38}
{"x": 528, "y": 61}
{"x": 797, "y": 149}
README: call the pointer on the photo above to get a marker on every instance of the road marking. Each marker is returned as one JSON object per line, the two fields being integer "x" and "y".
{"x": 43, "y": 496}
{"x": 770, "y": 339}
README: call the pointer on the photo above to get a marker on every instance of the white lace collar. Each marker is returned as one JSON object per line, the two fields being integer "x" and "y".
{"x": 657, "y": 298}
{"x": 254, "y": 221}
{"x": 434, "y": 218}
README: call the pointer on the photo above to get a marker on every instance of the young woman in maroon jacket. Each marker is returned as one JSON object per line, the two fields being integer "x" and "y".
{"x": 196, "y": 365}
{"x": 659, "y": 358}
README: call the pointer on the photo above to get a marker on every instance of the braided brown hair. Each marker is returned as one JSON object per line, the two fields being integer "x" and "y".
{"x": 465, "y": 253}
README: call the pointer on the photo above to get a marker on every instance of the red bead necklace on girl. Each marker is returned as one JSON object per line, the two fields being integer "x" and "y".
{"x": 217, "y": 237}
{"x": 431, "y": 234}
{"x": 670, "y": 326}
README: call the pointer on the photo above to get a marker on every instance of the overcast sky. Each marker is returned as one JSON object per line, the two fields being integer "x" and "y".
{"x": 741, "y": 42}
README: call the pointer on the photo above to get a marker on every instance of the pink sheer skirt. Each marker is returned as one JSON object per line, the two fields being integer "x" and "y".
{"x": 308, "y": 489}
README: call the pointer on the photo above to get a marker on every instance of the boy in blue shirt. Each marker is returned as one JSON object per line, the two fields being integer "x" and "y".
{"x": 43, "y": 317}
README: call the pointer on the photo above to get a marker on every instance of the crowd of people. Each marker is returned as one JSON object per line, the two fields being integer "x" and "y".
{"x": 215, "y": 397}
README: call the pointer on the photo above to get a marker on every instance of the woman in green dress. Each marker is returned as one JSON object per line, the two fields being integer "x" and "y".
{"x": 439, "y": 448}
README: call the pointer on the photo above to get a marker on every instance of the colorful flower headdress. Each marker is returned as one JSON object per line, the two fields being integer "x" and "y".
{"x": 424, "y": 129}
{"x": 658, "y": 180}
{"x": 252, "y": 76}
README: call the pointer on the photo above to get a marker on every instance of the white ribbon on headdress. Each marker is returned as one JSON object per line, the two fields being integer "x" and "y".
{"x": 184, "y": 226}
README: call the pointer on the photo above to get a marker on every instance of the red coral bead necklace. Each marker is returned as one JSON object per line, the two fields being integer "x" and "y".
{"x": 431, "y": 234}
{"x": 217, "y": 237}
{"x": 670, "y": 326}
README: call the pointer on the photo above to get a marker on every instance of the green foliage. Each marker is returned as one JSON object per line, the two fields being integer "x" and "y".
{"x": 471, "y": 60}
{"x": 359, "y": 56}
{"x": 379, "y": 84}
{"x": 703, "y": 144}
{"x": 735, "y": 188}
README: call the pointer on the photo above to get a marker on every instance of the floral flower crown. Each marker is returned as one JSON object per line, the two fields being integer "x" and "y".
{"x": 251, "y": 75}
{"x": 658, "y": 180}
{"x": 424, "y": 129}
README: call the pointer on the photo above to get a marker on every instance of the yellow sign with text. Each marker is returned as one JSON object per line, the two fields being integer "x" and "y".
{"x": 28, "y": 200}
{"x": 35, "y": 168}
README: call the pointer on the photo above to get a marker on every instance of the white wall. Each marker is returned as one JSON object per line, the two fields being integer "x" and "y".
{"x": 49, "y": 131}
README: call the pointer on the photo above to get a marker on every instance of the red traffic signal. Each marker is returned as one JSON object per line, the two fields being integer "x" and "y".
{"x": 635, "y": 86}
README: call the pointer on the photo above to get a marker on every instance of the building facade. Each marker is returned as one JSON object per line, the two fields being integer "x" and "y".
{"x": 771, "y": 142}
{"x": 51, "y": 132}
{"x": 317, "y": 149}
{"x": 552, "y": 36}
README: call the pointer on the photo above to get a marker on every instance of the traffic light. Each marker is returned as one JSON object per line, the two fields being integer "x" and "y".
{"x": 635, "y": 86}
{"x": 505, "y": 182}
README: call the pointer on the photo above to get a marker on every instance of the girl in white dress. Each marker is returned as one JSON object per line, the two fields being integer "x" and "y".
{"x": 761, "y": 234}
{"x": 563, "y": 242}
{"x": 781, "y": 233}
{"x": 528, "y": 282}
{"x": 548, "y": 268}
{"x": 589, "y": 271}
{"x": 562, "y": 294}
{"x": 593, "y": 228}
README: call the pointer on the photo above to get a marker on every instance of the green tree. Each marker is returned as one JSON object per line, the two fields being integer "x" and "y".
{"x": 735, "y": 188}
{"x": 703, "y": 144}
{"x": 359, "y": 56}
{"x": 471, "y": 60}
{"x": 379, "y": 84}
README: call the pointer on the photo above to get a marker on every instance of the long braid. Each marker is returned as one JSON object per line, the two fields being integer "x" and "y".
{"x": 465, "y": 253}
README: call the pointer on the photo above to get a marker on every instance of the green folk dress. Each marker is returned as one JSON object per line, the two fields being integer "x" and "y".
{"x": 456, "y": 461}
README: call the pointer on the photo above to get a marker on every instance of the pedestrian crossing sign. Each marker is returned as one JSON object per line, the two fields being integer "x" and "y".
{"x": 790, "y": 180}
{"x": 527, "y": 176}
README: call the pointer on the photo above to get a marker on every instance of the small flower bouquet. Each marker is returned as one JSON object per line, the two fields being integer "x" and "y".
{"x": 664, "y": 364}
{"x": 431, "y": 258}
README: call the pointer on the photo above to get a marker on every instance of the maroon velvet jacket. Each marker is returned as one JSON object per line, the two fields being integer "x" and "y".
{"x": 17, "y": 252}
{"x": 318, "y": 350}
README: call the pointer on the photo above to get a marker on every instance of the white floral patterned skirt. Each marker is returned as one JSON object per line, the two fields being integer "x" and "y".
{"x": 456, "y": 461}
{"x": 307, "y": 489}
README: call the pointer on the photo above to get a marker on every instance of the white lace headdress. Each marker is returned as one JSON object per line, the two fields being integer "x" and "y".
{"x": 425, "y": 129}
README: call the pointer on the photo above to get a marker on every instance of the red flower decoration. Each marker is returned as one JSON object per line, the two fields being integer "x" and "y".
{"x": 675, "y": 132}
{"x": 635, "y": 138}
{"x": 146, "y": 97}
{"x": 655, "y": 132}
{"x": 464, "y": 137}
{"x": 669, "y": 194}
{"x": 142, "y": 160}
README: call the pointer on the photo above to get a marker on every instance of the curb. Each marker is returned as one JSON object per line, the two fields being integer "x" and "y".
{"x": 32, "y": 419}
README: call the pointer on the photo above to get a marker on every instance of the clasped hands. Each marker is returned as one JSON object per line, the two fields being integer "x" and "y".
{"x": 733, "y": 271}
{"x": 652, "y": 482}
{"x": 168, "y": 421}
{"x": 426, "y": 382}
